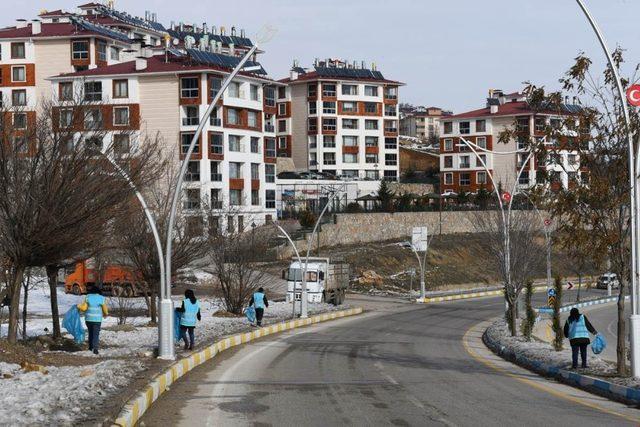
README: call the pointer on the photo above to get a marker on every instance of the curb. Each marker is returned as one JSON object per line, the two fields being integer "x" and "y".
{"x": 566, "y": 308}
{"x": 139, "y": 404}
{"x": 594, "y": 385}
{"x": 455, "y": 297}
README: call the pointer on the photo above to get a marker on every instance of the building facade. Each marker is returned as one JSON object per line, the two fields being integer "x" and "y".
{"x": 341, "y": 120}
{"x": 422, "y": 122}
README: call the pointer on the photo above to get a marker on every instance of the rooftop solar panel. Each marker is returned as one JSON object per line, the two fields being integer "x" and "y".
{"x": 132, "y": 20}
{"x": 204, "y": 57}
{"x": 238, "y": 41}
{"x": 101, "y": 30}
{"x": 358, "y": 73}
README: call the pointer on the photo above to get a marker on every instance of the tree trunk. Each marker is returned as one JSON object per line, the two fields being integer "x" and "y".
{"x": 52, "y": 275}
{"x": 153, "y": 305}
{"x": 14, "y": 307}
{"x": 621, "y": 344}
{"x": 24, "y": 309}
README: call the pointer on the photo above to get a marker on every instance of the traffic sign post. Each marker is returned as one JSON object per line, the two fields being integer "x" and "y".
{"x": 551, "y": 297}
{"x": 633, "y": 95}
{"x": 420, "y": 243}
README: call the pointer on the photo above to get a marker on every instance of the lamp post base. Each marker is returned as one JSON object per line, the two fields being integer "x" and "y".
{"x": 166, "y": 349}
{"x": 304, "y": 311}
{"x": 634, "y": 326}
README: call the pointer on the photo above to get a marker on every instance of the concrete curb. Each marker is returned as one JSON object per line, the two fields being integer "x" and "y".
{"x": 566, "y": 308}
{"x": 471, "y": 295}
{"x": 138, "y": 405}
{"x": 597, "y": 386}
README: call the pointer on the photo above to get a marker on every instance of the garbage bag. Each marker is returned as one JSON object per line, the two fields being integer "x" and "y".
{"x": 176, "y": 325}
{"x": 250, "y": 312}
{"x": 73, "y": 324}
{"x": 599, "y": 344}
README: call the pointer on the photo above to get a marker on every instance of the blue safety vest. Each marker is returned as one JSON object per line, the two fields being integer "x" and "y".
{"x": 190, "y": 314}
{"x": 94, "y": 311}
{"x": 258, "y": 300}
{"x": 578, "y": 329}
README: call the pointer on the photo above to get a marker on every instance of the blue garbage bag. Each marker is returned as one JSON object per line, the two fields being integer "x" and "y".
{"x": 599, "y": 344}
{"x": 176, "y": 324}
{"x": 73, "y": 324}
{"x": 250, "y": 312}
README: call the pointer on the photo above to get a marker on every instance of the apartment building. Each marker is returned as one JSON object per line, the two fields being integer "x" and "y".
{"x": 422, "y": 122}
{"x": 340, "y": 119}
{"x": 462, "y": 171}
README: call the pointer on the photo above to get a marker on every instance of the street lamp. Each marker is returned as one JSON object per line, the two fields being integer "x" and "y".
{"x": 295, "y": 249}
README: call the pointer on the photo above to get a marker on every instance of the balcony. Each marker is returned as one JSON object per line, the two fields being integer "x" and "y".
{"x": 190, "y": 121}
{"x": 216, "y": 177}
{"x": 215, "y": 121}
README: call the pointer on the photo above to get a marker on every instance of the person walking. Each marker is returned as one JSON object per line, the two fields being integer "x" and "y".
{"x": 577, "y": 329}
{"x": 190, "y": 310}
{"x": 259, "y": 302}
{"x": 95, "y": 309}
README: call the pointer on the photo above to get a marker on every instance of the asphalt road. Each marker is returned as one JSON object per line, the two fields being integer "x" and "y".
{"x": 401, "y": 366}
{"x": 605, "y": 319}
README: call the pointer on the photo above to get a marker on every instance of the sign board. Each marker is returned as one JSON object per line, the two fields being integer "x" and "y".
{"x": 551, "y": 292}
{"x": 633, "y": 95}
{"x": 551, "y": 301}
{"x": 506, "y": 196}
{"x": 419, "y": 238}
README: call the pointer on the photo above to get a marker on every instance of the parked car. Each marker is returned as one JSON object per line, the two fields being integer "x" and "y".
{"x": 608, "y": 279}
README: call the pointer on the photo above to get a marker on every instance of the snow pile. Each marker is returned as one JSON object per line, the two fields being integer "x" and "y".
{"x": 64, "y": 395}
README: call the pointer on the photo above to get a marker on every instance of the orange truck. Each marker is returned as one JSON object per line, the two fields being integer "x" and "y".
{"x": 117, "y": 280}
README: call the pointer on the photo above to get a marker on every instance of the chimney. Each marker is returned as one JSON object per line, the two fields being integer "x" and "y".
{"x": 205, "y": 28}
{"x": 493, "y": 108}
{"x": 181, "y": 26}
{"x": 146, "y": 15}
{"x": 232, "y": 49}
{"x": 155, "y": 17}
{"x": 21, "y": 23}
{"x": 141, "y": 63}
{"x": 242, "y": 33}
{"x": 36, "y": 27}
{"x": 233, "y": 31}
{"x": 293, "y": 74}
{"x": 222, "y": 31}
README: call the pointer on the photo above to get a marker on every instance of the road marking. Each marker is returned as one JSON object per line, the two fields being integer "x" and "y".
{"x": 536, "y": 384}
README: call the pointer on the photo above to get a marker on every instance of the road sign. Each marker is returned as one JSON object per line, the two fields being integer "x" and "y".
{"x": 570, "y": 285}
{"x": 506, "y": 196}
{"x": 419, "y": 238}
{"x": 551, "y": 292}
{"x": 633, "y": 95}
{"x": 551, "y": 301}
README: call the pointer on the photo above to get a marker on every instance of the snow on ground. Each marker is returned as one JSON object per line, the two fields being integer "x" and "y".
{"x": 63, "y": 396}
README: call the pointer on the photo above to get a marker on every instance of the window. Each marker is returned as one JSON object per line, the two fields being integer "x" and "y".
{"x": 329, "y": 158}
{"x": 521, "y": 159}
{"x": 270, "y": 199}
{"x": 448, "y": 179}
{"x": 371, "y": 108}
{"x": 215, "y": 83}
{"x": 328, "y": 90}
{"x": 482, "y": 158}
{"x": 230, "y": 226}
{"x": 214, "y": 222}
{"x": 121, "y": 88}
{"x": 93, "y": 91}
{"x": 193, "y": 171}
{"x": 93, "y": 119}
{"x": 255, "y": 197}
{"x": 329, "y": 141}
{"x": 481, "y": 126}
{"x": 234, "y": 90}
{"x": 20, "y": 120}
{"x": 390, "y": 126}
{"x": 374, "y": 175}
{"x": 349, "y": 158}
{"x": 312, "y": 90}
{"x": 270, "y": 173}
{"x": 235, "y": 143}
{"x": 282, "y": 109}
{"x": 350, "y": 141}
{"x": 17, "y": 51}
{"x": 255, "y": 144}
{"x": 255, "y": 171}
{"x": 371, "y": 90}
{"x": 349, "y": 123}
{"x": 312, "y": 124}
{"x": 270, "y": 147}
{"x": 102, "y": 51}
{"x": 371, "y": 158}
{"x": 114, "y": 53}
{"x": 80, "y": 50}
{"x": 194, "y": 226}
{"x": 94, "y": 145}
{"x": 448, "y": 144}
{"x": 465, "y": 178}
{"x": 329, "y": 124}
{"x": 391, "y": 159}
{"x": 371, "y": 124}
{"x": 216, "y": 176}
{"x": 233, "y": 116}
{"x": 121, "y": 144}
{"x": 66, "y": 118}
{"x": 235, "y": 197}
{"x": 252, "y": 119}
{"x": 481, "y": 142}
{"x": 349, "y": 107}
{"x": 448, "y": 161}
{"x": 215, "y": 143}
{"x": 390, "y": 143}
{"x": 189, "y": 87}
{"x": 465, "y": 127}
{"x": 192, "y": 199}
{"x": 329, "y": 107}
{"x": 282, "y": 92}
{"x": 522, "y": 124}
{"x": 464, "y": 162}
{"x": 448, "y": 127}
{"x": 190, "y": 116}
{"x": 121, "y": 116}
{"x": 390, "y": 110}
{"x": 391, "y": 92}
{"x": 185, "y": 141}
{"x": 481, "y": 178}
{"x": 269, "y": 96}
{"x": 370, "y": 141}
{"x": 313, "y": 108}
{"x": 282, "y": 125}
{"x": 572, "y": 159}
{"x": 524, "y": 178}
{"x": 235, "y": 170}
{"x": 214, "y": 118}
{"x": 540, "y": 124}
{"x": 254, "y": 93}
{"x": 282, "y": 142}
{"x": 349, "y": 89}
{"x": 66, "y": 91}
{"x": 19, "y": 74}
{"x": 19, "y": 98}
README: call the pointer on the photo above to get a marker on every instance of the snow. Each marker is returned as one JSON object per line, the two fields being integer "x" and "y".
{"x": 65, "y": 395}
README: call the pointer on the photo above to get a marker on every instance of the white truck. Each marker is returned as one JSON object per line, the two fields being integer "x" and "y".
{"x": 327, "y": 280}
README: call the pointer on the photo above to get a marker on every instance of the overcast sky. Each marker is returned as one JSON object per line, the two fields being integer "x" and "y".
{"x": 449, "y": 53}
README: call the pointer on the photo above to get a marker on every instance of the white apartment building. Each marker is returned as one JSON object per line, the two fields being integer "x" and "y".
{"x": 342, "y": 120}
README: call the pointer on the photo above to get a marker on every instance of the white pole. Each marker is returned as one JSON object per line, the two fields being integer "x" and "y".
{"x": 295, "y": 249}
{"x": 633, "y": 203}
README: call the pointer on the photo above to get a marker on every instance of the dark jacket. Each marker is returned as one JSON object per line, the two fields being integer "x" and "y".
{"x": 579, "y": 341}
{"x": 266, "y": 303}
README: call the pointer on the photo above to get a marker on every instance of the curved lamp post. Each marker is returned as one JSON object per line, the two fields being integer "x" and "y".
{"x": 295, "y": 249}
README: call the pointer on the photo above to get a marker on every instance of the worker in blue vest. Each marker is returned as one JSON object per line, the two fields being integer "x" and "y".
{"x": 95, "y": 309}
{"x": 259, "y": 302}
{"x": 577, "y": 329}
{"x": 190, "y": 310}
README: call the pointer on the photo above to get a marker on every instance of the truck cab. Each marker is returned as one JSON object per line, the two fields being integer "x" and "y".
{"x": 326, "y": 281}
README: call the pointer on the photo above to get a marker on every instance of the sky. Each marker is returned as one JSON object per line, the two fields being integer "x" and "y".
{"x": 448, "y": 53}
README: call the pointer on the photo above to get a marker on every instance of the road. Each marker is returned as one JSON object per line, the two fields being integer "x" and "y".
{"x": 407, "y": 365}
{"x": 605, "y": 319}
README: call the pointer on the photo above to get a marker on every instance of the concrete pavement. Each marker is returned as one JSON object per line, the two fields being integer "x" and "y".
{"x": 405, "y": 365}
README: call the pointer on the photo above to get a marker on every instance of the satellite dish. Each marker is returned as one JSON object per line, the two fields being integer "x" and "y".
{"x": 176, "y": 42}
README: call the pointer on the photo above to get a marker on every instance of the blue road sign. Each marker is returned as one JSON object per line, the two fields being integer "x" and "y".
{"x": 551, "y": 292}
